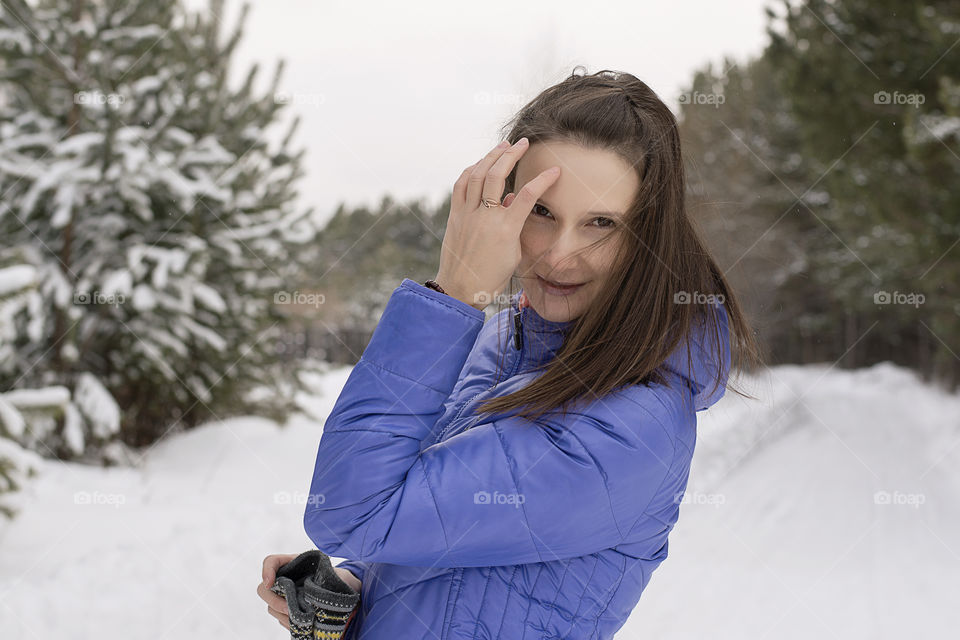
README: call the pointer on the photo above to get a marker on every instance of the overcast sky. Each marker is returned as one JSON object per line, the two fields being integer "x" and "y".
{"x": 399, "y": 97}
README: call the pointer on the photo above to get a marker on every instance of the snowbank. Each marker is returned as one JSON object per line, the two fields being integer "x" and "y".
{"x": 829, "y": 508}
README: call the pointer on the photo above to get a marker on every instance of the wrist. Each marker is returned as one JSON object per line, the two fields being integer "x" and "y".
{"x": 452, "y": 291}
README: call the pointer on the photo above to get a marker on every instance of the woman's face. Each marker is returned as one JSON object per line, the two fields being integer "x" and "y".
{"x": 587, "y": 203}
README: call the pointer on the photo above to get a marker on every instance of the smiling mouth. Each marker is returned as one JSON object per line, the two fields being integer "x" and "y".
{"x": 558, "y": 285}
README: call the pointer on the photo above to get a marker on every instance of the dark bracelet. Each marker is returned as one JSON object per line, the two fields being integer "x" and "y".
{"x": 433, "y": 285}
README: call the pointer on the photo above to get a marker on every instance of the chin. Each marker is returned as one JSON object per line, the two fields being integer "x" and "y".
{"x": 557, "y": 309}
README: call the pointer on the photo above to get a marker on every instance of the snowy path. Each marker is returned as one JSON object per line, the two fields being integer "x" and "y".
{"x": 781, "y": 537}
{"x": 798, "y": 547}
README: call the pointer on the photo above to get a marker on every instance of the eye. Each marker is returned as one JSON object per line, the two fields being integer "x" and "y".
{"x": 540, "y": 206}
{"x": 607, "y": 223}
{"x": 606, "y": 226}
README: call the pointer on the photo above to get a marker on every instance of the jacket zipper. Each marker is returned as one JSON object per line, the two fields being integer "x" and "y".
{"x": 518, "y": 323}
{"x": 518, "y": 344}
{"x": 518, "y": 329}
{"x": 454, "y": 418}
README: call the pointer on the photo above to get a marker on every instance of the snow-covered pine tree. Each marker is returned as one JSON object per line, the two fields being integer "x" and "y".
{"x": 17, "y": 298}
{"x": 156, "y": 219}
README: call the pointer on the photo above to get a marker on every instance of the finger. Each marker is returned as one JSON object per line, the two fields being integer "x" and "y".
{"x": 273, "y": 562}
{"x": 479, "y": 173}
{"x": 531, "y": 192}
{"x": 270, "y": 564}
{"x": 282, "y": 618}
{"x": 459, "y": 196}
{"x": 496, "y": 178}
{"x": 273, "y": 600}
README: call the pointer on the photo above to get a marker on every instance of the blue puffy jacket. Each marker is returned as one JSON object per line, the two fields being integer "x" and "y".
{"x": 501, "y": 528}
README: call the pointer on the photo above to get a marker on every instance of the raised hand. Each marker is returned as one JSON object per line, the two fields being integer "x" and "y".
{"x": 481, "y": 246}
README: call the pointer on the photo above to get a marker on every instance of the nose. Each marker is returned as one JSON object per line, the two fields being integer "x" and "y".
{"x": 560, "y": 257}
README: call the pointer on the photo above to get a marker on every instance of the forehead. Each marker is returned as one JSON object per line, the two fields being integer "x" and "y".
{"x": 590, "y": 179}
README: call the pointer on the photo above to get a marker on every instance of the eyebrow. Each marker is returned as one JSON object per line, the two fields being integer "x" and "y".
{"x": 606, "y": 214}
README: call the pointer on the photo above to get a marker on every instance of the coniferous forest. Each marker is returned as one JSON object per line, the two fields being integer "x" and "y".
{"x": 151, "y": 235}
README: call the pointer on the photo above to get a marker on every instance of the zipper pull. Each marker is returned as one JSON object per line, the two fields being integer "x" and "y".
{"x": 517, "y": 330}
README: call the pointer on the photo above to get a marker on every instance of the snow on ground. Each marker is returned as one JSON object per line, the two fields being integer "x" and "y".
{"x": 783, "y": 534}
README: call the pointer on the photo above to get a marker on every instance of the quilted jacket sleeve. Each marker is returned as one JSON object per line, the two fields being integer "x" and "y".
{"x": 505, "y": 491}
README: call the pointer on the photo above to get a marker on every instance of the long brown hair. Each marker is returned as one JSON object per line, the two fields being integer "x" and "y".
{"x": 633, "y": 324}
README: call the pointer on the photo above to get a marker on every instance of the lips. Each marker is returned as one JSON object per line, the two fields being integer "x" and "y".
{"x": 558, "y": 289}
{"x": 560, "y": 284}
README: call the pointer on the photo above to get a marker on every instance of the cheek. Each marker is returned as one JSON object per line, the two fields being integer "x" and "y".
{"x": 533, "y": 243}
{"x": 602, "y": 259}
{"x": 534, "y": 239}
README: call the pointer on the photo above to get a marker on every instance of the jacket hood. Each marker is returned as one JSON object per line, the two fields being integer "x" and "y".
{"x": 702, "y": 369}
{"x": 700, "y": 372}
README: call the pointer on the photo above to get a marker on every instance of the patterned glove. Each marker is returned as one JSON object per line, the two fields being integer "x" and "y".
{"x": 321, "y": 605}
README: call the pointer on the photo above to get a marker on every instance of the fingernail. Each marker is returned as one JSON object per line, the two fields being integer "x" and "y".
{"x": 503, "y": 145}
{"x": 553, "y": 170}
{"x": 521, "y": 142}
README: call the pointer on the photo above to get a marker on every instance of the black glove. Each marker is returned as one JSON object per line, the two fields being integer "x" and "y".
{"x": 321, "y": 605}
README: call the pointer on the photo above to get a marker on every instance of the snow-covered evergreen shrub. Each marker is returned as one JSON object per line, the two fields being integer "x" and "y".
{"x": 147, "y": 225}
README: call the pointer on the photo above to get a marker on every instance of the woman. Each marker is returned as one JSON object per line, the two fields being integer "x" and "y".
{"x": 519, "y": 478}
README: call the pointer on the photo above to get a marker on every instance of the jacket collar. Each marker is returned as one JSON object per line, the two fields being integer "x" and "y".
{"x": 541, "y": 338}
